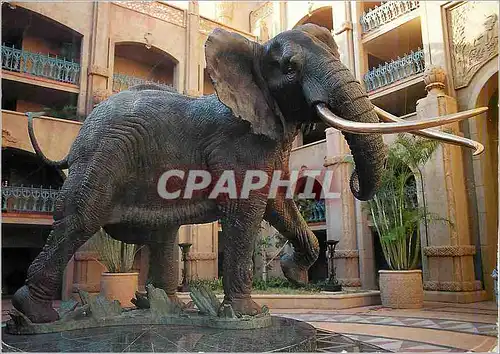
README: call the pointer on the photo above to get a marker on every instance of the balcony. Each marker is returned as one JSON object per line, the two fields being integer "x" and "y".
{"x": 39, "y": 65}
{"x": 122, "y": 82}
{"x": 396, "y": 71}
{"x": 28, "y": 199}
{"x": 313, "y": 211}
{"x": 386, "y": 13}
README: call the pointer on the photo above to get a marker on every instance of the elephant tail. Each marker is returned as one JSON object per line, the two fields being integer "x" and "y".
{"x": 62, "y": 164}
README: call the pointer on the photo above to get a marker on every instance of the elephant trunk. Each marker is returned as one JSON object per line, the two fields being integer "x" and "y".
{"x": 348, "y": 99}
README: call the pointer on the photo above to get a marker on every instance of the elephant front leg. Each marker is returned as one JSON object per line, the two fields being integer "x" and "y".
{"x": 164, "y": 262}
{"x": 239, "y": 232}
{"x": 285, "y": 217}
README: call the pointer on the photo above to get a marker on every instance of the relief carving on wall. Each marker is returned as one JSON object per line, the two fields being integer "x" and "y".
{"x": 260, "y": 13}
{"x": 7, "y": 138}
{"x": 156, "y": 9}
{"x": 474, "y": 38}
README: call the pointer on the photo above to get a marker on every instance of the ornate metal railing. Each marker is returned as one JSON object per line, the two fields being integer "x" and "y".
{"x": 28, "y": 199}
{"x": 386, "y": 12}
{"x": 312, "y": 210}
{"x": 122, "y": 82}
{"x": 36, "y": 64}
{"x": 395, "y": 70}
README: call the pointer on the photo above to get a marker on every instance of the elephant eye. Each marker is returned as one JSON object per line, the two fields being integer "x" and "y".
{"x": 289, "y": 69}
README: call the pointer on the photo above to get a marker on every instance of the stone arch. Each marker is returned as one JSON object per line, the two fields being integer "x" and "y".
{"x": 145, "y": 61}
{"x": 322, "y": 16}
{"x": 483, "y": 92}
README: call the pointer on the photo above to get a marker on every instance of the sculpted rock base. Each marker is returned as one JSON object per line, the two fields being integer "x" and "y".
{"x": 157, "y": 308}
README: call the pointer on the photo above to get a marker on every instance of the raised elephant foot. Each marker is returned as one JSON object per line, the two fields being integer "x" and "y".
{"x": 244, "y": 306}
{"x": 35, "y": 310}
{"x": 295, "y": 273}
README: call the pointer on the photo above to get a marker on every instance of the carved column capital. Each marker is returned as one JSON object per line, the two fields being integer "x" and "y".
{"x": 224, "y": 11}
{"x": 434, "y": 79}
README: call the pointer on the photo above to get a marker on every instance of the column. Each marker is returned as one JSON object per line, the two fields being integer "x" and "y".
{"x": 340, "y": 211}
{"x": 99, "y": 83}
{"x": 193, "y": 51}
{"x": 224, "y": 12}
{"x": 447, "y": 250}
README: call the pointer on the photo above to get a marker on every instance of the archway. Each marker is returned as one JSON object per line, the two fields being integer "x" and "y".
{"x": 485, "y": 169}
{"x": 136, "y": 63}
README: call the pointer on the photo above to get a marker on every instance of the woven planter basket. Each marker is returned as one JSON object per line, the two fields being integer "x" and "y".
{"x": 401, "y": 289}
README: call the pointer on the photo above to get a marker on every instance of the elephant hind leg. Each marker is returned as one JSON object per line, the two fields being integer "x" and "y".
{"x": 34, "y": 299}
{"x": 77, "y": 218}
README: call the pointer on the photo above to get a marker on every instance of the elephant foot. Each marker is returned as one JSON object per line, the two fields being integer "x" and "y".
{"x": 35, "y": 310}
{"x": 295, "y": 273}
{"x": 177, "y": 301}
{"x": 244, "y": 306}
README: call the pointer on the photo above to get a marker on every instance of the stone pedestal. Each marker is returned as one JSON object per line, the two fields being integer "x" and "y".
{"x": 447, "y": 252}
{"x": 340, "y": 212}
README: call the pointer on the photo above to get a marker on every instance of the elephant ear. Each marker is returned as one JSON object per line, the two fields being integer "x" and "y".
{"x": 233, "y": 67}
{"x": 323, "y": 35}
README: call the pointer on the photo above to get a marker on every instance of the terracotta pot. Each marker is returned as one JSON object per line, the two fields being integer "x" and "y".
{"x": 120, "y": 286}
{"x": 401, "y": 289}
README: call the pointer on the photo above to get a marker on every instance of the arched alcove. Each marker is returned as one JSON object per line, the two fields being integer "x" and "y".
{"x": 136, "y": 63}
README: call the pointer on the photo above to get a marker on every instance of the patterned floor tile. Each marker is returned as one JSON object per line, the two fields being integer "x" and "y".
{"x": 448, "y": 325}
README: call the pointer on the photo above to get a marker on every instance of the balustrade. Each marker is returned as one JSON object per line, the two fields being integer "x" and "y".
{"x": 395, "y": 70}
{"x": 312, "y": 210}
{"x": 122, "y": 82}
{"x": 28, "y": 199}
{"x": 36, "y": 64}
{"x": 386, "y": 12}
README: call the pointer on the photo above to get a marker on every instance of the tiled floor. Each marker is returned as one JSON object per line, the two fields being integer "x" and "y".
{"x": 455, "y": 326}
{"x": 438, "y": 327}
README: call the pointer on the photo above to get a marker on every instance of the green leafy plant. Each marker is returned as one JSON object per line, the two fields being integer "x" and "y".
{"x": 67, "y": 112}
{"x": 116, "y": 256}
{"x": 394, "y": 209}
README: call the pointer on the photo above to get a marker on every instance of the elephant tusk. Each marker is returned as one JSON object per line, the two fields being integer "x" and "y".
{"x": 434, "y": 134}
{"x": 390, "y": 128}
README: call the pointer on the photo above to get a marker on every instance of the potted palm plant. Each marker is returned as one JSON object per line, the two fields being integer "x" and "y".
{"x": 397, "y": 216}
{"x": 119, "y": 282}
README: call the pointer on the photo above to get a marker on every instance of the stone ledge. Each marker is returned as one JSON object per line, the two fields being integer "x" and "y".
{"x": 449, "y": 251}
{"x": 321, "y": 301}
{"x": 463, "y": 297}
{"x": 452, "y": 286}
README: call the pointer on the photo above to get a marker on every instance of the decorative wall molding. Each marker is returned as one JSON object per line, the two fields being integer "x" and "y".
{"x": 454, "y": 286}
{"x": 449, "y": 251}
{"x": 346, "y": 254}
{"x": 473, "y": 31}
{"x": 207, "y": 26}
{"x": 98, "y": 70}
{"x": 156, "y": 9}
